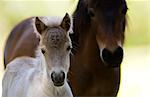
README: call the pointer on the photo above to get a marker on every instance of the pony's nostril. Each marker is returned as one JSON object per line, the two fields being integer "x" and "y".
{"x": 106, "y": 55}
{"x": 118, "y": 55}
{"x": 58, "y": 78}
{"x": 112, "y": 59}
{"x": 119, "y": 50}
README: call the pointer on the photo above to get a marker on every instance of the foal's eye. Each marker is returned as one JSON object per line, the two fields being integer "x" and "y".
{"x": 43, "y": 51}
{"x": 91, "y": 12}
{"x": 69, "y": 48}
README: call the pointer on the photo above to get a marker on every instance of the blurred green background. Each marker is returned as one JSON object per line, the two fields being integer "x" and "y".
{"x": 135, "y": 75}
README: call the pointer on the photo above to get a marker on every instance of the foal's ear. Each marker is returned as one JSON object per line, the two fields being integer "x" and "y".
{"x": 66, "y": 22}
{"x": 40, "y": 26}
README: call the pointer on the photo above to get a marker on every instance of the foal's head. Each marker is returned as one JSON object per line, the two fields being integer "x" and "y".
{"x": 107, "y": 19}
{"x": 55, "y": 45}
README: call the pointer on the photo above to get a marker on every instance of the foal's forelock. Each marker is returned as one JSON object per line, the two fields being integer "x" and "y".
{"x": 55, "y": 38}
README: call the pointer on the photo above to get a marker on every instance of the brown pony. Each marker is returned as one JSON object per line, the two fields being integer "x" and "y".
{"x": 98, "y": 38}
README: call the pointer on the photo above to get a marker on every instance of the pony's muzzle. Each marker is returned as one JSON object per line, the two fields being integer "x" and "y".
{"x": 112, "y": 59}
{"x": 58, "y": 78}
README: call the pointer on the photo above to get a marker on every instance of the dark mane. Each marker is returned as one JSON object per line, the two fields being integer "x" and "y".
{"x": 81, "y": 15}
{"x": 81, "y": 23}
{"x": 107, "y": 3}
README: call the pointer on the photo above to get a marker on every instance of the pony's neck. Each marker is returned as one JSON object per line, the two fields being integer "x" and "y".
{"x": 85, "y": 47}
{"x": 87, "y": 50}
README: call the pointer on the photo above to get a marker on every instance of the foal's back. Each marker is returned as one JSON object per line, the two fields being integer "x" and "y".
{"x": 19, "y": 41}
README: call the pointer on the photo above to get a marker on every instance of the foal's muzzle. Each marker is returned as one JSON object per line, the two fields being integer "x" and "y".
{"x": 58, "y": 78}
{"x": 112, "y": 59}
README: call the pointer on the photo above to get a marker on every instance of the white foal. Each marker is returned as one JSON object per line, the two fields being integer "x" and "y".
{"x": 46, "y": 74}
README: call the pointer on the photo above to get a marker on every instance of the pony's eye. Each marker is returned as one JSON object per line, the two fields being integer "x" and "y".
{"x": 69, "y": 48}
{"x": 91, "y": 12}
{"x": 43, "y": 51}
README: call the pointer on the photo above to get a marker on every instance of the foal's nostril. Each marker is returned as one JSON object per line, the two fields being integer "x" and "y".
{"x": 62, "y": 76}
{"x": 113, "y": 59}
{"x": 58, "y": 78}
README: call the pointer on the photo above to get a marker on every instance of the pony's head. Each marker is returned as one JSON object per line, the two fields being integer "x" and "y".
{"x": 55, "y": 44}
{"x": 108, "y": 20}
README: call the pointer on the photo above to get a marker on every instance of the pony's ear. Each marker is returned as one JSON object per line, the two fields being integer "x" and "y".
{"x": 66, "y": 22}
{"x": 40, "y": 26}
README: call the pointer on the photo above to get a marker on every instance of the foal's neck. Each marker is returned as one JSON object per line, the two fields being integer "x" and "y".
{"x": 45, "y": 84}
{"x": 41, "y": 60}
